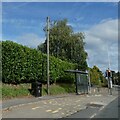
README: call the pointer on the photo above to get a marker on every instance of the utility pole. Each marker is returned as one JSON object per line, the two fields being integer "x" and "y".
{"x": 48, "y": 55}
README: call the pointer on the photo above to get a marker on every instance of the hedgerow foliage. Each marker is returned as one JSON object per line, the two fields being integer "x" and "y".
{"x": 21, "y": 64}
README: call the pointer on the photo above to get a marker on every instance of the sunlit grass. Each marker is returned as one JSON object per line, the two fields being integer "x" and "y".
{"x": 10, "y": 91}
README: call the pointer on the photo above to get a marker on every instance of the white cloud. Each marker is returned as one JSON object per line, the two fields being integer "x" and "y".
{"x": 30, "y": 40}
{"x": 101, "y": 40}
{"x": 105, "y": 31}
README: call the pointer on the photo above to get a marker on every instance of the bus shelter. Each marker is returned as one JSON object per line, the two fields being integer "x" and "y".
{"x": 81, "y": 81}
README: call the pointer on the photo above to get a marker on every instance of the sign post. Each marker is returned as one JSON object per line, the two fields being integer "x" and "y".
{"x": 109, "y": 75}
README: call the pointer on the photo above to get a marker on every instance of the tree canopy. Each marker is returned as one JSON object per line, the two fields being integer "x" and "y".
{"x": 96, "y": 77}
{"x": 65, "y": 44}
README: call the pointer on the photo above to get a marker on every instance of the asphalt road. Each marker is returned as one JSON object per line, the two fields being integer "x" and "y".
{"x": 110, "y": 111}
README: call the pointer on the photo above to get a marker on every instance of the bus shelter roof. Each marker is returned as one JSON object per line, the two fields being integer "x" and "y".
{"x": 76, "y": 71}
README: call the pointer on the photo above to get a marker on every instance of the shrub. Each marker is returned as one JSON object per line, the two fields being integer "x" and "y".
{"x": 21, "y": 64}
{"x": 67, "y": 78}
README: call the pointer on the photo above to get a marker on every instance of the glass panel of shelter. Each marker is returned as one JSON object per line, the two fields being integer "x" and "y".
{"x": 82, "y": 83}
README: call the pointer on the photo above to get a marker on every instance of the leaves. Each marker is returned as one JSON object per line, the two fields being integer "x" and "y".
{"x": 65, "y": 44}
{"x": 21, "y": 64}
{"x": 96, "y": 76}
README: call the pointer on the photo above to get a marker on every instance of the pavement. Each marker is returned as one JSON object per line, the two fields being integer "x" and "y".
{"x": 59, "y": 106}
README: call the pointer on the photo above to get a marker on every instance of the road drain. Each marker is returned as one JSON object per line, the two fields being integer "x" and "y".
{"x": 94, "y": 105}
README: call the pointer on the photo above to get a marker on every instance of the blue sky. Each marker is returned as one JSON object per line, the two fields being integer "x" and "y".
{"x": 23, "y": 22}
{"x": 26, "y": 15}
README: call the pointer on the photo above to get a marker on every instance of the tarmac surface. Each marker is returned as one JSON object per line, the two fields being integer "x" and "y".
{"x": 59, "y": 106}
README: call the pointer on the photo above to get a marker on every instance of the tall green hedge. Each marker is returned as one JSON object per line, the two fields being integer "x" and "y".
{"x": 21, "y": 64}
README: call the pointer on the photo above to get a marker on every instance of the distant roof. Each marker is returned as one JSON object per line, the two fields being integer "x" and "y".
{"x": 76, "y": 71}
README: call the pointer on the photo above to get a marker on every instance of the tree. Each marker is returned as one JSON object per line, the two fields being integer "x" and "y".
{"x": 96, "y": 76}
{"x": 116, "y": 77}
{"x": 65, "y": 44}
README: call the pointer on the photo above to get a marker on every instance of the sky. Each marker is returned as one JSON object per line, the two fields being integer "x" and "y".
{"x": 23, "y": 22}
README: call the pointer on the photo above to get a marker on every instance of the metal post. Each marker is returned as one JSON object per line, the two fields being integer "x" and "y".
{"x": 76, "y": 83}
{"x": 47, "y": 55}
{"x": 89, "y": 81}
{"x": 109, "y": 82}
{"x": 109, "y": 86}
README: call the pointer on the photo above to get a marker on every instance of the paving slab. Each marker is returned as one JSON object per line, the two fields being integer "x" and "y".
{"x": 58, "y": 106}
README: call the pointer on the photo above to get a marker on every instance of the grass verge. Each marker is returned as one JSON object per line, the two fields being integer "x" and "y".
{"x": 13, "y": 91}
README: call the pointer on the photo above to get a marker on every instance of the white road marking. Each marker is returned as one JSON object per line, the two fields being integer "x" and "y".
{"x": 67, "y": 114}
{"x": 48, "y": 110}
{"x": 93, "y": 115}
{"x": 101, "y": 108}
{"x": 98, "y": 95}
{"x": 50, "y": 102}
{"x": 55, "y": 111}
{"x": 35, "y": 108}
